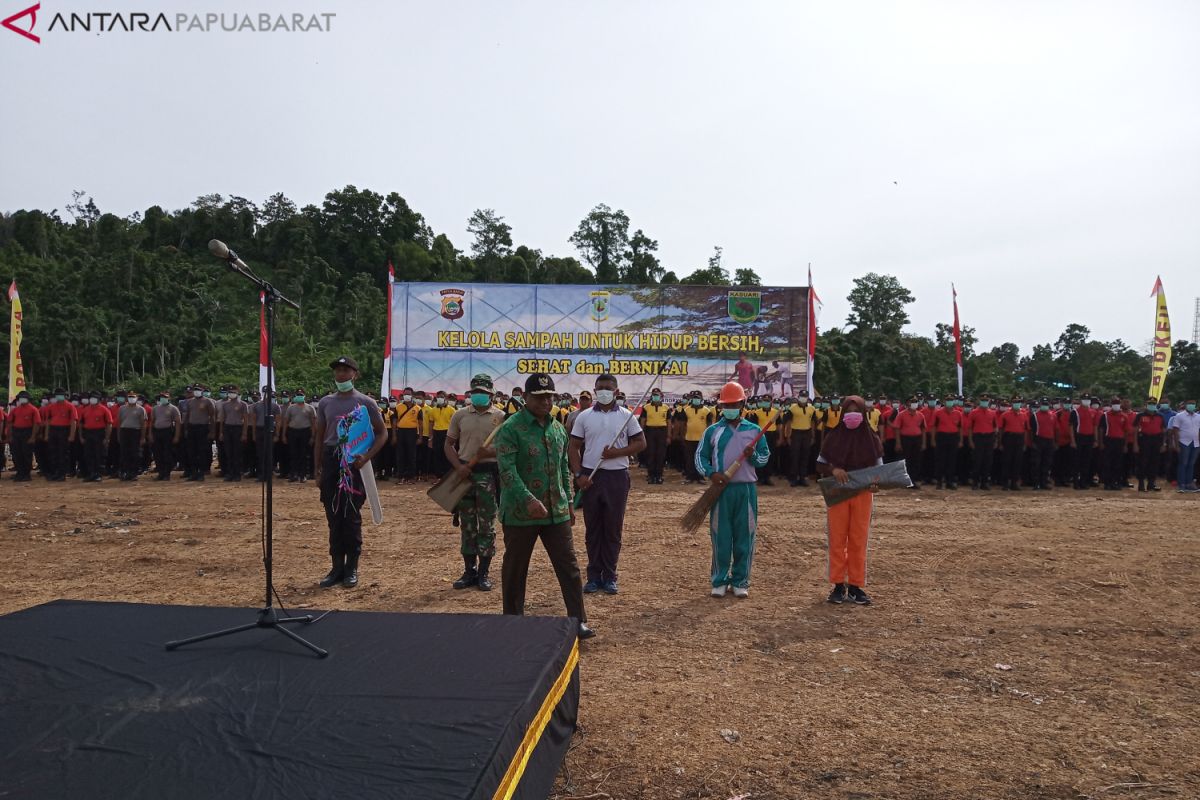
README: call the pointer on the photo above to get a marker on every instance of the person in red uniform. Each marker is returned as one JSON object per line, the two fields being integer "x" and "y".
{"x": 1064, "y": 448}
{"x": 61, "y": 422}
{"x": 1113, "y": 430}
{"x": 929, "y": 453}
{"x": 887, "y": 411}
{"x": 947, "y": 430}
{"x": 980, "y": 433}
{"x": 1083, "y": 433}
{"x": 909, "y": 424}
{"x": 1129, "y": 459}
{"x": 1013, "y": 425}
{"x": 1043, "y": 429}
{"x": 96, "y": 421}
{"x": 24, "y": 426}
{"x": 1150, "y": 426}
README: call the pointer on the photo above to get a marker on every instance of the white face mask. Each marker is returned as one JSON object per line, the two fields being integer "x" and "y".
{"x": 912, "y": 406}
{"x": 92, "y": 401}
{"x": 605, "y": 396}
{"x": 408, "y": 398}
{"x": 197, "y": 393}
{"x": 1116, "y": 406}
{"x": 22, "y": 401}
{"x": 441, "y": 401}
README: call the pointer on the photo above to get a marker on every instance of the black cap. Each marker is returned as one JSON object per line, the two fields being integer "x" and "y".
{"x": 344, "y": 361}
{"x": 539, "y": 383}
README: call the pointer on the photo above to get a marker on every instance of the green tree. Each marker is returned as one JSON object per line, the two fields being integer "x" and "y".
{"x": 602, "y": 238}
{"x": 877, "y": 303}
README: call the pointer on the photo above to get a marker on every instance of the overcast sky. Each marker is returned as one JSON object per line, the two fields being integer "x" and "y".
{"x": 1044, "y": 156}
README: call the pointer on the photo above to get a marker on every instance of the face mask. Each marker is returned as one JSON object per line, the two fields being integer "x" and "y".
{"x": 344, "y": 386}
{"x": 392, "y": 403}
{"x": 655, "y": 399}
{"x": 121, "y": 399}
{"x": 1164, "y": 406}
{"x": 1017, "y": 406}
{"x": 480, "y": 400}
{"x": 407, "y": 398}
{"x": 224, "y": 395}
{"x": 1045, "y": 407}
{"x": 1190, "y": 406}
{"x": 803, "y": 402}
{"x": 932, "y": 404}
{"x": 92, "y": 401}
{"x": 852, "y": 419}
{"x": 141, "y": 402}
{"x": 298, "y": 398}
{"x": 895, "y": 406}
{"x": 696, "y": 401}
{"x": 1085, "y": 403}
{"x": 58, "y": 398}
{"x": 731, "y": 413}
{"x": 621, "y": 402}
{"x": 208, "y": 394}
{"x": 197, "y": 393}
{"x": 162, "y": 401}
{"x": 605, "y": 396}
{"x": 1116, "y": 406}
{"x": 1058, "y": 406}
{"x": 441, "y": 401}
{"x": 22, "y": 401}
{"x": 835, "y": 403}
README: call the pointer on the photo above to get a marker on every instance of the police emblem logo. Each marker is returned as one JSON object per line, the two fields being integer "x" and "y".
{"x": 453, "y": 303}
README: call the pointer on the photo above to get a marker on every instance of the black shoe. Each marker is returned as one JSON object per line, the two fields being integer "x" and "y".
{"x": 1141, "y": 486}
{"x": 859, "y": 596}
{"x": 334, "y": 577}
{"x": 609, "y": 587}
{"x": 1154, "y": 487}
{"x": 591, "y": 587}
{"x": 838, "y": 595}
{"x": 350, "y": 579}
{"x": 585, "y": 632}
{"x": 454, "y": 520}
{"x": 484, "y": 583}
{"x": 469, "y": 578}
{"x": 952, "y": 486}
{"x": 793, "y": 484}
{"x": 985, "y": 487}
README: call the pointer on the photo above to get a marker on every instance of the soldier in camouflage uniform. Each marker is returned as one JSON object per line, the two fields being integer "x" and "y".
{"x": 476, "y": 512}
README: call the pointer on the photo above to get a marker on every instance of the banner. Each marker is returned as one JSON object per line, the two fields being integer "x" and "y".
{"x": 385, "y": 387}
{"x": 16, "y": 369}
{"x": 266, "y": 374}
{"x": 813, "y": 302}
{"x": 1161, "y": 360}
{"x": 683, "y": 337}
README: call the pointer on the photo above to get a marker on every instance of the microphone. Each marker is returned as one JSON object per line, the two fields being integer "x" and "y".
{"x": 222, "y": 251}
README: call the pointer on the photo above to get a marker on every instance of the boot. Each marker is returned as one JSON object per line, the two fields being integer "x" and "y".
{"x": 485, "y": 585}
{"x": 469, "y": 577}
{"x": 335, "y": 574}
{"x": 350, "y": 579}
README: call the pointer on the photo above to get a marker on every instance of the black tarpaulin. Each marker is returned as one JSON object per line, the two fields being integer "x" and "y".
{"x": 406, "y": 706}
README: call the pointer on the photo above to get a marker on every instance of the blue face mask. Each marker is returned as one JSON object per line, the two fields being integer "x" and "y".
{"x": 1190, "y": 406}
{"x": 731, "y": 413}
{"x": 480, "y": 400}
{"x": 298, "y": 398}
{"x": 1017, "y": 406}
{"x": 1164, "y": 406}
{"x": 344, "y": 386}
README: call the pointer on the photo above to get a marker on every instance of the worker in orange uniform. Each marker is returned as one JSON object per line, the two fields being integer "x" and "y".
{"x": 849, "y": 446}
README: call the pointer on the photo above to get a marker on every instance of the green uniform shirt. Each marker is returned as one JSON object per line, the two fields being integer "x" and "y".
{"x": 533, "y": 463}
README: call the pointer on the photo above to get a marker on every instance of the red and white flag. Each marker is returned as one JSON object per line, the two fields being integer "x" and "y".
{"x": 957, "y": 339}
{"x": 266, "y": 372}
{"x": 814, "y": 303}
{"x": 385, "y": 388}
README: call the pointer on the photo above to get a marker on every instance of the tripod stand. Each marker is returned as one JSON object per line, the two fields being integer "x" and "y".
{"x": 268, "y": 617}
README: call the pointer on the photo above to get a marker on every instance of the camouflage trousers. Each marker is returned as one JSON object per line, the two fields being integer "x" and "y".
{"x": 477, "y": 516}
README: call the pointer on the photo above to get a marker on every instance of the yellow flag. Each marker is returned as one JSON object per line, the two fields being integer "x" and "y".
{"x": 16, "y": 370}
{"x": 1162, "y": 342}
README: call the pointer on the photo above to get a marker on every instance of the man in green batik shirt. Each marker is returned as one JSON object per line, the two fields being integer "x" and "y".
{"x": 535, "y": 500}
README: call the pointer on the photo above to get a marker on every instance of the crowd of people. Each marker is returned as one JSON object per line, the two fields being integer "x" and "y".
{"x": 1007, "y": 443}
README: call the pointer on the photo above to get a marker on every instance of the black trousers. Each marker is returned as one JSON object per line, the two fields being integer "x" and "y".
{"x": 260, "y": 454}
{"x": 1148, "y": 457}
{"x": 1014, "y": 450}
{"x": 343, "y": 510}
{"x": 1085, "y": 448}
{"x": 560, "y": 547}
{"x": 93, "y": 453}
{"x": 406, "y": 452}
{"x": 233, "y": 452}
{"x": 440, "y": 465}
{"x": 981, "y": 464}
{"x": 56, "y": 451}
{"x": 199, "y": 450}
{"x": 689, "y": 460}
{"x": 131, "y": 451}
{"x": 801, "y": 442}
{"x": 300, "y": 445}
{"x": 656, "y": 451}
{"x": 164, "y": 451}
{"x": 22, "y": 451}
{"x": 604, "y": 517}
{"x": 947, "y": 456}
{"x": 911, "y": 445}
{"x": 1043, "y": 460}
{"x": 1114, "y": 461}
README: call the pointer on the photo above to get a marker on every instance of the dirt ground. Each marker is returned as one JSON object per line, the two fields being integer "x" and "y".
{"x": 1031, "y": 646}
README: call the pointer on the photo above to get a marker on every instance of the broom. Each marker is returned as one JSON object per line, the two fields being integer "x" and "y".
{"x": 695, "y": 515}
{"x": 642, "y": 402}
{"x": 451, "y": 488}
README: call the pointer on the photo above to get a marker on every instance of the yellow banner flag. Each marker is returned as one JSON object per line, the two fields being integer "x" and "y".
{"x": 1161, "y": 360}
{"x": 16, "y": 370}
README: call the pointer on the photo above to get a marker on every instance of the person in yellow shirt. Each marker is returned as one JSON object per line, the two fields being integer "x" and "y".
{"x": 801, "y": 417}
{"x": 873, "y": 414}
{"x": 759, "y": 411}
{"x": 698, "y": 417}
{"x": 386, "y": 460}
{"x": 437, "y": 419}
{"x": 654, "y": 419}
{"x": 406, "y": 422}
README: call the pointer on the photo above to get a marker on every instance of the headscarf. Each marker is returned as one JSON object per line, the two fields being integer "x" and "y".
{"x": 851, "y": 449}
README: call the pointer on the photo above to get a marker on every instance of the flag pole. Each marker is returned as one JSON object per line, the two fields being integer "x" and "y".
{"x": 957, "y": 341}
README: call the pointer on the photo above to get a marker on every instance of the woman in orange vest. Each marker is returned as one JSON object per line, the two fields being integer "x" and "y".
{"x": 849, "y": 446}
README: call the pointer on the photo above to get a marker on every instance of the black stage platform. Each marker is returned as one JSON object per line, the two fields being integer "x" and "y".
{"x": 406, "y": 706}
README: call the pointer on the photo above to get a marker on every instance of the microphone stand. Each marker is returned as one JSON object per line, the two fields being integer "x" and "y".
{"x": 268, "y": 617}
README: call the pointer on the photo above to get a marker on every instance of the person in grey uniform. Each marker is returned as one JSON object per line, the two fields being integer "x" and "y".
{"x": 235, "y": 422}
{"x": 298, "y": 422}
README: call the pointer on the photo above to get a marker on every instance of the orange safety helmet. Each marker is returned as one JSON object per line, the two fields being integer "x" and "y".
{"x": 732, "y": 392}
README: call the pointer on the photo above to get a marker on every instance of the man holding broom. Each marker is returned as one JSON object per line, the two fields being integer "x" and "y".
{"x": 465, "y": 445}
{"x": 734, "y": 519}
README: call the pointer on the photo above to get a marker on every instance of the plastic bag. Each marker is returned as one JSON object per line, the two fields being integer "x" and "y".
{"x": 887, "y": 476}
